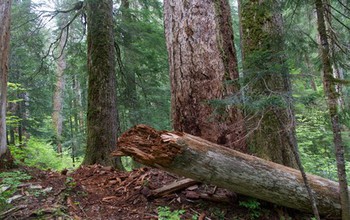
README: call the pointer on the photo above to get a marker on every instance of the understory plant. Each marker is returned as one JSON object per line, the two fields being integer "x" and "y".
{"x": 9, "y": 181}
{"x": 164, "y": 213}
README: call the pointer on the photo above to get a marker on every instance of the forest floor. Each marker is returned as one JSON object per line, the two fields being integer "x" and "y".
{"x": 96, "y": 192}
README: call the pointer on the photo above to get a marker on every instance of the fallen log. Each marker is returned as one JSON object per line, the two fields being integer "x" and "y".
{"x": 201, "y": 160}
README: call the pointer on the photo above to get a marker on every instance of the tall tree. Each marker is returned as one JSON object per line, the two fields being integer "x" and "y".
{"x": 269, "y": 113}
{"x": 57, "y": 114}
{"x": 28, "y": 72}
{"x": 5, "y": 15}
{"x": 102, "y": 120}
{"x": 130, "y": 77}
{"x": 203, "y": 70}
{"x": 329, "y": 85}
{"x": 143, "y": 82}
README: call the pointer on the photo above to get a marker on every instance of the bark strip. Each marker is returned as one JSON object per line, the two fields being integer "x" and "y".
{"x": 201, "y": 160}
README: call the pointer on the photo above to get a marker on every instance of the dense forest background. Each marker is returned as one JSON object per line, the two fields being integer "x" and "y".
{"x": 47, "y": 84}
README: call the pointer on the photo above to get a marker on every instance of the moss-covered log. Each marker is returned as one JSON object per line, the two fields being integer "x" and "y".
{"x": 204, "y": 161}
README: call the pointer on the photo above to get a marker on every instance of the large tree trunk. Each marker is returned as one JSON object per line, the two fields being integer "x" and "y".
{"x": 270, "y": 118}
{"x": 5, "y": 14}
{"x": 332, "y": 102}
{"x": 102, "y": 120}
{"x": 203, "y": 70}
{"x": 204, "y": 161}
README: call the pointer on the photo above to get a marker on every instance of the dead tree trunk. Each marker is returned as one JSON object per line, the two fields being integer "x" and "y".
{"x": 204, "y": 161}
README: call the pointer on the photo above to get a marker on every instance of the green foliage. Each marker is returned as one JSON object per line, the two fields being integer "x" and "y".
{"x": 127, "y": 163}
{"x": 30, "y": 87}
{"x": 9, "y": 181}
{"x": 218, "y": 213}
{"x": 143, "y": 64}
{"x": 70, "y": 183}
{"x": 195, "y": 217}
{"x": 39, "y": 154}
{"x": 13, "y": 178}
{"x": 164, "y": 213}
{"x": 253, "y": 207}
{"x": 314, "y": 133}
{"x": 143, "y": 79}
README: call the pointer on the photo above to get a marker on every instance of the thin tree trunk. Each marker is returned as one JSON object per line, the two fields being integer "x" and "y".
{"x": 12, "y": 140}
{"x": 201, "y": 160}
{"x": 80, "y": 127}
{"x": 12, "y": 108}
{"x": 23, "y": 114}
{"x": 337, "y": 71}
{"x": 203, "y": 71}
{"x": 73, "y": 141}
{"x": 57, "y": 115}
{"x": 310, "y": 71}
{"x": 130, "y": 91}
{"x": 331, "y": 96}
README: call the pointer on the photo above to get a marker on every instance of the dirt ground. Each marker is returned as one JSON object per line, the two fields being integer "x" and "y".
{"x": 101, "y": 193}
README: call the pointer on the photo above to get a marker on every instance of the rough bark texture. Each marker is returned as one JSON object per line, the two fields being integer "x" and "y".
{"x": 268, "y": 81}
{"x": 5, "y": 14}
{"x": 332, "y": 99}
{"x": 203, "y": 69}
{"x": 102, "y": 123}
{"x": 204, "y": 161}
{"x": 57, "y": 117}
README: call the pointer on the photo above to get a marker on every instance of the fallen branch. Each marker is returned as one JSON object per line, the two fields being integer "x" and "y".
{"x": 11, "y": 211}
{"x": 173, "y": 187}
{"x": 196, "y": 158}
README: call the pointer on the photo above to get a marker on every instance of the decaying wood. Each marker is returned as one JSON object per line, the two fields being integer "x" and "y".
{"x": 201, "y": 160}
{"x": 173, "y": 187}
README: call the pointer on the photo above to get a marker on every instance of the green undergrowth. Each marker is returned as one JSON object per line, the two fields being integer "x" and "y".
{"x": 253, "y": 206}
{"x": 9, "y": 181}
{"x": 40, "y": 154}
{"x": 164, "y": 213}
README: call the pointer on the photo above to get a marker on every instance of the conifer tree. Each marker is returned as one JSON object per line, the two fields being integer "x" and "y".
{"x": 203, "y": 70}
{"x": 270, "y": 119}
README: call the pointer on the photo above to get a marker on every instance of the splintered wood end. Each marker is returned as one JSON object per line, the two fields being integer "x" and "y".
{"x": 148, "y": 146}
{"x": 169, "y": 137}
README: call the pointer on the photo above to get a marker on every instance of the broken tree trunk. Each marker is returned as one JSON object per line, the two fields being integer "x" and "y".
{"x": 196, "y": 158}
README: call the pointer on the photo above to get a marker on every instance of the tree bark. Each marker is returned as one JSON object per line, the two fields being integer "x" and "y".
{"x": 102, "y": 120}
{"x": 266, "y": 76}
{"x": 332, "y": 102}
{"x": 201, "y": 160}
{"x": 203, "y": 71}
{"x": 5, "y": 15}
